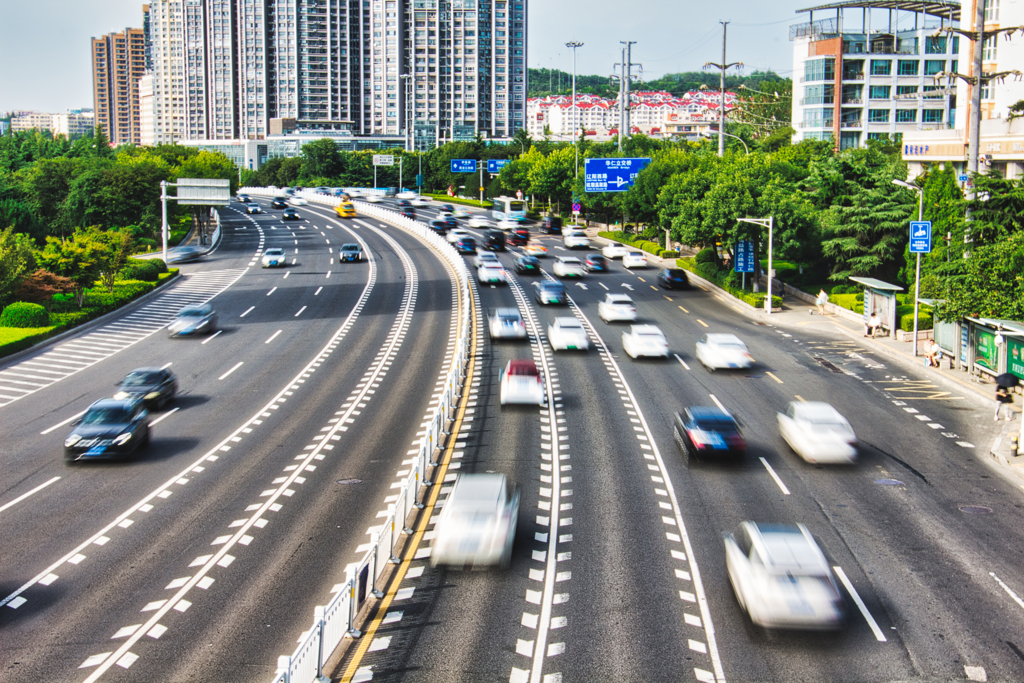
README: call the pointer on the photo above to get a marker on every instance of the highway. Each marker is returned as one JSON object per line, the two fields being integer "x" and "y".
{"x": 162, "y": 569}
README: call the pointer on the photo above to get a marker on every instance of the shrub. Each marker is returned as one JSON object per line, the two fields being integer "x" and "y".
{"x": 159, "y": 262}
{"x": 668, "y": 253}
{"x": 708, "y": 271}
{"x": 860, "y": 297}
{"x": 138, "y": 269}
{"x": 924, "y": 321}
{"x": 13, "y": 339}
{"x": 649, "y": 247}
{"x": 705, "y": 256}
{"x": 24, "y": 314}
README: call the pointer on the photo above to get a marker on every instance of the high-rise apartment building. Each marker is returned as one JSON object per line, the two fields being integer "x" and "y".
{"x": 118, "y": 62}
{"x": 222, "y": 69}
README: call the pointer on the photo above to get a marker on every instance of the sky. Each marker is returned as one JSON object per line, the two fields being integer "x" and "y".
{"x": 48, "y": 70}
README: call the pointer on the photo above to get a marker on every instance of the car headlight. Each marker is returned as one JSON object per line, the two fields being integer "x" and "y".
{"x": 72, "y": 440}
{"x": 121, "y": 395}
{"x": 151, "y": 395}
{"x": 122, "y": 439}
{"x": 202, "y": 324}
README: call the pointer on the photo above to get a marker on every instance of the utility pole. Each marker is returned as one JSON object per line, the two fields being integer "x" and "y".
{"x": 572, "y": 107}
{"x": 625, "y": 76}
{"x": 724, "y": 66}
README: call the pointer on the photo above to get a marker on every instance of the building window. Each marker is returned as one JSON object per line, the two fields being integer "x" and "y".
{"x": 880, "y": 92}
{"x": 988, "y": 49}
{"x": 907, "y": 67}
{"x": 881, "y": 67}
{"x": 906, "y": 115}
{"x": 906, "y": 89}
{"x": 820, "y": 69}
{"x": 935, "y": 45}
{"x": 931, "y": 116}
{"x": 992, "y": 10}
{"x": 878, "y": 116}
{"x": 934, "y": 66}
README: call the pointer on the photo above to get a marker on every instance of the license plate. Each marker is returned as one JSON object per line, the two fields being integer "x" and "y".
{"x": 96, "y": 450}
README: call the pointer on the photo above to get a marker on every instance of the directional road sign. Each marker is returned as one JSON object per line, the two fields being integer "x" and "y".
{"x": 383, "y": 160}
{"x": 612, "y": 174}
{"x": 463, "y": 165}
{"x": 744, "y": 257}
{"x": 963, "y": 178}
{"x": 920, "y": 237}
{"x": 494, "y": 165}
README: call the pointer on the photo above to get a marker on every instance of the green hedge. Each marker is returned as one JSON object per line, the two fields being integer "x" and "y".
{"x": 14, "y": 339}
{"x": 445, "y": 199}
{"x": 668, "y": 253}
{"x": 705, "y": 256}
{"x": 924, "y": 321}
{"x": 147, "y": 270}
{"x": 710, "y": 272}
{"x": 23, "y": 315}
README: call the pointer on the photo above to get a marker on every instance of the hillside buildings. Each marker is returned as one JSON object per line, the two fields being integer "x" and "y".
{"x": 72, "y": 124}
{"x": 118, "y": 62}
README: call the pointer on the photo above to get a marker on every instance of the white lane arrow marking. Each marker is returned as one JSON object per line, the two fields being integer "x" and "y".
{"x": 580, "y": 284}
{"x": 627, "y": 286}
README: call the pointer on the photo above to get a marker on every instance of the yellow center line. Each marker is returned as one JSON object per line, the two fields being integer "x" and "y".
{"x": 683, "y": 309}
{"x": 425, "y": 515}
{"x": 702, "y": 322}
{"x": 774, "y": 377}
{"x": 703, "y": 287}
{"x": 640, "y": 279}
{"x": 800, "y": 398}
{"x": 654, "y": 288}
{"x": 667, "y": 297}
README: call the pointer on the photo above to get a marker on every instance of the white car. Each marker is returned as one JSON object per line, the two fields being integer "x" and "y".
{"x": 374, "y": 198}
{"x": 568, "y": 333}
{"x": 456, "y": 234}
{"x": 460, "y": 213}
{"x": 521, "y": 382}
{"x": 483, "y": 257}
{"x": 577, "y": 239}
{"x": 296, "y": 200}
{"x": 491, "y": 274}
{"x": 507, "y": 225}
{"x": 566, "y": 229}
{"x": 478, "y": 220}
{"x": 634, "y": 259}
{"x": 614, "y": 250}
{"x": 420, "y": 201}
{"x": 408, "y": 194}
{"x": 781, "y": 577}
{"x": 616, "y": 307}
{"x": 506, "y": 323}
{"x": 645, "y": 340}
{"x": 718, "y": 351}
{"x": 274, "y": 258}
{"x": 568, "y": 266}
{"x": 353, "y": 192}
{"x": 477, "y": 525}
{"x": 818, "y": 433}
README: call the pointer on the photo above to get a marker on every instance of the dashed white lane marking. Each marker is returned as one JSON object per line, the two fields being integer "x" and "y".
{"x": 235, "y": 367}
{"x": 273, "y": 337}
{"x": 879, "y": 636}
{"x": 717, "y": 402}
{"x": 681, "y": 361}
{"x": 975, "y": 673}
{"x": 29, "y": 493}
{"x": 775, "y": 476}
{"x": 1009, "y": 591}
{"x": 247, "y": 311}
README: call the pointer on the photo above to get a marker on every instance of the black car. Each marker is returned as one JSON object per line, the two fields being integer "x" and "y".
{"x": 494, "y": 240}
{"x": 708, "y": 431}
{"x": 450, "y": 221}
{"x": 289, "y": 214}
{"x": 527, "y": 264}
{"x": 403, "y": 203}
{"x": 153, "y": 386}
{"x": 519, "y": 237}
{"x": 466, "y": 245}
{"x": 446, "y": 207}
{"x": 279, "y": 203}
{"x": 551, "y": 225}
{"x": 110, "y": 428}
{"x": 408, "y": 212}
{"x": 549, "y": 292}
{"x": 673, "y": 278}
{"x": 595, "y": 263}
{"x": 439, "y": 226}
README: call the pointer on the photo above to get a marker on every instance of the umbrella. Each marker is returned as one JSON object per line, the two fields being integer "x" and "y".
{"x": 1007, "y": 379}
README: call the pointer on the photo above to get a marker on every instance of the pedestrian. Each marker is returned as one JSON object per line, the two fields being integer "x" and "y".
{"x": 874, "y": 322}
{"x": 821, "y": 301}
{"x": 1004, "y": 398}
{"x": 932, "y": 353}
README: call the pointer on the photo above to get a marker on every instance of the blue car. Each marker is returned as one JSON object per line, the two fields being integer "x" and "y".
{"x": 708, "y": 432}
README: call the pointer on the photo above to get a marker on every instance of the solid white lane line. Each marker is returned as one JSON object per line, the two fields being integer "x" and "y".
{"x": 166, "y": 365}
{"x": 879, "y": 636}
{"x": 37, "y": 490}
{"x": 774, "y": 476}
{"x": 300, "y": 311}
{"x": 210, "y": 338}
{"x": 237, "y": 365}
{"x": 1006, "y": 588}
{"x": 717, "y": 402}
{"x": 272, "y": 291}
{"x": 170, "y": 412}
{"x": 272, "y": 337}
{"x": 683, "y": 362}
{"x": 247, "y": 311}
{"x": 61, "y": 424}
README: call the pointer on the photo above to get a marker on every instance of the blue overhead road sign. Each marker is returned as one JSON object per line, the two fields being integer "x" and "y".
{"x": 494, "y": 165}
{"x": 920, "y": 237}
{"x": 612, "y": 174}
{"x": 463, "y": 165}
{"x": 744, "y": 256}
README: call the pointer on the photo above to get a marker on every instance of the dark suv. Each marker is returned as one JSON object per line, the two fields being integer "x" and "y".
{"x": 551, "y": 225}
{"x": 673, "y": 278}
{"x": 494, "y": 240}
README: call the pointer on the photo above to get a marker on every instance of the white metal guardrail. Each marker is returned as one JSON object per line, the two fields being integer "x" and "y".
{"x": 337, "y": 620}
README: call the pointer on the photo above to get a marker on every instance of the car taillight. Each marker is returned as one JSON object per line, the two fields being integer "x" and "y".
{"x": 736, "y": 441}
{"x": 697, "y": 439}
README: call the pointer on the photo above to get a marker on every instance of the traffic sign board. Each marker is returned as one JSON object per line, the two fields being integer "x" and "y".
{"x": 463, "y": 165}
{"x": 494, "y": 165}
{"x": 920, "y": 237}
{"x": 612, "y": 174}
{"x": 744, "y": 257}
{"x": 575, "y": 208}
{"x": 383, "y": 160}
{"x": 963, "y": 178}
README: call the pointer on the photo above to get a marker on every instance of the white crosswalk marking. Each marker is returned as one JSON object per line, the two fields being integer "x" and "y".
{"x": 36, "y": 373}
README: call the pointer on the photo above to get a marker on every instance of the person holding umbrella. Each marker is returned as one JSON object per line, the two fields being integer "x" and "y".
{"x": 1004, "y": 383}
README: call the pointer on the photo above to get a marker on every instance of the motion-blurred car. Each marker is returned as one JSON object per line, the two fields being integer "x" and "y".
{"x": 595, "y": 263}
{"x": 707, "y": 432}
{"x": 491, "y": 274}
{"x": 446, "y": 208}
{"x": 781, "y": 578}
{"x": 402, "y": 203}
{"x": 253, "y": 207}
{"x": 296, "y": 200}
{"x": 477, "y": 525}
{"x": 289, "y": 214}
{"x": 110, "y": 428}
{"x": 408, "y": 212}
{"x": 818, "y": 433}
{"x": 644, "y": 340}
{"x": 614, "y": 250}
{"x": 274, "y": 258}
{"x": 153, "y": 386}
{"x": 494, "y": 240}
{"x": 459, "y": 212}
{"x": 567, "y": 333}
{"x": 634, "y": 259}
{"x": 616, "y": 307}
{"x": 243, "y": 198}
{"x": 479, "y": 220}
{"x": 184, "y": 254}
{"x": 345, "y": 210}
{"x": 673, "y": 278}
{"x": 406, "y": 195}
{"x": 568, "y": 266}
{"x": 571, "y": 228}
{"x": 372, "y": 198}
{"x": 279, "y": 203}
{"x": 192, "y": 320}
{"x": 457, "y": 234}
{"x": 720, "y": 351}
{"x": 420, "y": 201}
{"x": 507, "y": 224}
{"x": 519, "y": 237}
{"x": 449, "y": 220}
{"x": 466, "y": 246}
{"x": 350, "y": 252}
{"x": 577, "y": 239}
{"x": 527, "y": 264}
{"x": 548, "y": 292}
{"x": 536, "y": 249}
{"x": 521, "y": 382}
{"x": 506, "y": 323}
{"x": 551, "y": 225}
{"x": 437, "y": 225}
{"x": 485, "y": 257}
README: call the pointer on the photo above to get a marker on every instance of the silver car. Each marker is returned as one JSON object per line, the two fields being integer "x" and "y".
{"x": 193, "y": 320}
{"x": 477, "y": 525}
{"x": 506, "y": 323}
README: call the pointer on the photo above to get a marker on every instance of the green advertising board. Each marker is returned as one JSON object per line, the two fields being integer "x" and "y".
{"x": 1015, "y": 356}
{"x": 986, "y": 353}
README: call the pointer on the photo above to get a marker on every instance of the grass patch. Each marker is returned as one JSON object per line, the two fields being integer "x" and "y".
{"x": 445, "y": 199}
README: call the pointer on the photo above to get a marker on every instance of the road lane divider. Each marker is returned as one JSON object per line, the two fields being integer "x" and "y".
{"x": 28, "y": 494}
{"x": 233, "y": 368}
{"x": 879, "y": 636}
{"x": 775, "y": 476}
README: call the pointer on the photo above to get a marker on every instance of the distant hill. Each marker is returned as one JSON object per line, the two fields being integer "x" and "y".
{"x": 544, "y": 82}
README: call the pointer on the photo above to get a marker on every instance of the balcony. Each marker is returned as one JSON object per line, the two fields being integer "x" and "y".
{"x": 851, "y": 123}
{"x": 817, "y": 100}
{"x": 852, "y": 100}
{"x": 855, "y": 76}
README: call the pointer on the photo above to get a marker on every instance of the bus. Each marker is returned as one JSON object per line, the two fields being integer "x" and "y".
{"x": 509, "y": 209}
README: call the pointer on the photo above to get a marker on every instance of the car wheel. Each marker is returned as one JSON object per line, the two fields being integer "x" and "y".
{"x": 683, "y": 450}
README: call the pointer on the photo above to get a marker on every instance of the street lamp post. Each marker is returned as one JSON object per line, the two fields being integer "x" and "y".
{"x": 730, "y": 135}
{"x": 572, "y": 105}
{"x": 770, "y": 224}
{"x": 917, "y": 276}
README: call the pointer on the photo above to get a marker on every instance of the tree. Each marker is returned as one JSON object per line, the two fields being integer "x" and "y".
{"x": 868, "y": 237}
{"x": 990, "y": 283}
{"x": 41, "y": 286}
{"x": 320, "y": 159}
{"x": 16, "y": 261}
{"x": 120, "y": 247}
{"x": 80, "y": 258}
{"x": 553, "y": 176}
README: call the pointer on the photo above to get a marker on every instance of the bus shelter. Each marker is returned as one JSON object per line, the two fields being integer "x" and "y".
{"x": 991, "y": 347}
{"x": 880, "y": 298}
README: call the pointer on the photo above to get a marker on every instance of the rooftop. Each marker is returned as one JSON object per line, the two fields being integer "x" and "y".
{"x": 936, "y": 8}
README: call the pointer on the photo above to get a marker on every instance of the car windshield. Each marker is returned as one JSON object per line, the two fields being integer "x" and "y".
{"x": 106, "y": 416}
{"x": 350, "y": 247}
{"x": 552, "y": 287}
{"x": 710, "y": 424}
{"x": 191, "y": 313}
{"x": 138, "y": 379}
{"x": 274, "y": 252}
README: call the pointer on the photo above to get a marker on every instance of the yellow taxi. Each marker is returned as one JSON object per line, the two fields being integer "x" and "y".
{"x": 345, "y": 210}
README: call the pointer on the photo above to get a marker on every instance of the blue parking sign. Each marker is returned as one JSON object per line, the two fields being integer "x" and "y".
{"x": 920, "y": 237}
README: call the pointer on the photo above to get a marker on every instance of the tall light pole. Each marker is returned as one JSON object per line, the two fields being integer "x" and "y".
{"x": 917, "y": 277}
{"x": 572, "y": 106}
{"x": 407, "y": 115}
{"x": 770, "y": 224}
{"x": 724, "y": 66}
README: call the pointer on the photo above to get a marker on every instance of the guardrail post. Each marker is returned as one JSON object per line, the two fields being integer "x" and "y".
{"x": 403, "y": 499}
{"x": 425, "y": 460}
{"x": 391, "y": 544}
{"x": 374, "y": 591}
{"x": 321, "y": 620}
{"x": 353, "y": 585}
{"x": 284, "y": 666}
